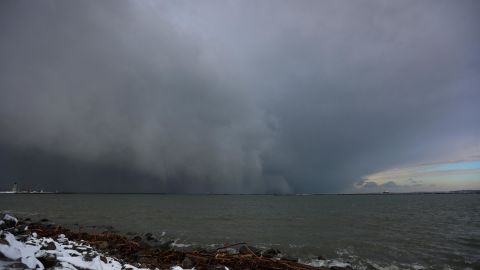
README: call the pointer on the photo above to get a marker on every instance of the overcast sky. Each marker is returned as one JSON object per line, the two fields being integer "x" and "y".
{"x": 240, "y": 96}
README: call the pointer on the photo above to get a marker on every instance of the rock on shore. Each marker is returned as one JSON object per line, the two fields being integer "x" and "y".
{"x": 26, "y": 245}
{"x": 20, "y": 249}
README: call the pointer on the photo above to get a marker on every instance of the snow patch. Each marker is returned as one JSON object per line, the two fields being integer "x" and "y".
{"x": 8, "y": 217}
{"x": 15, "y": 250}
{"x": 67, "y": 254}
{"x": 327, "y": 263}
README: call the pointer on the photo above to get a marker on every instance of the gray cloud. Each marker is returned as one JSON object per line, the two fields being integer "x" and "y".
{"x": 234, "y": 96}
{"x": 392, "y": 186}
{"x": 118, "y": 86}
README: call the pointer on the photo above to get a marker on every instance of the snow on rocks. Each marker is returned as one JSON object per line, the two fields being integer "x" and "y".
{"x": 48, "y": 253}
{"x": 15, "y": 250}
{"x": 180, "y": 268}
{"x": 40, "y": 253}
{"x": 8, "y": 221}
{"x": 328, "y": 263}
{"x": 8, "y": 217}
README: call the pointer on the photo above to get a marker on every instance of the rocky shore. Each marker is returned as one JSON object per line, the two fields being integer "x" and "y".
{"x": 25, "y": 244}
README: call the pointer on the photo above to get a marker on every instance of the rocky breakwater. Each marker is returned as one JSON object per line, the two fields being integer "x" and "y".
{"x": 38, "y": 245}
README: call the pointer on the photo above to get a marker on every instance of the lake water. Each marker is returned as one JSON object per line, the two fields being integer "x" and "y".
{"x": 440, "y": 231}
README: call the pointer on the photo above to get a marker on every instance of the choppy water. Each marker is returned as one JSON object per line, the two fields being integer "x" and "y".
{"x": 370, "y": 231}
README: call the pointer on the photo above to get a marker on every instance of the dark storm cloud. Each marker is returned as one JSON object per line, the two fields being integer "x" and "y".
{"x": 234, "y": 96}
{"x": 113, "y": 84}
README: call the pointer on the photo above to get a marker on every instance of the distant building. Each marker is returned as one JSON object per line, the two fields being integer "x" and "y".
{"x": 16, "y": 190}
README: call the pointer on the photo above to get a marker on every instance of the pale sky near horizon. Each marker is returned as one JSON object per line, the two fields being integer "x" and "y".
{"x": 440, "y": 176}
{"x": 240, "y": 96}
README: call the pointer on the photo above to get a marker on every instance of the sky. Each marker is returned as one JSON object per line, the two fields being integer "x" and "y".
{"x": 240, "y": 96}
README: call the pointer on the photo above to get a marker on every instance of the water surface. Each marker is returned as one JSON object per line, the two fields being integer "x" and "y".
{"x": 435, "y": 231}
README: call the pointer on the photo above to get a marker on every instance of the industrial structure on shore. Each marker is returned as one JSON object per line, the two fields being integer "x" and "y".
{"x": 16, "y": 190}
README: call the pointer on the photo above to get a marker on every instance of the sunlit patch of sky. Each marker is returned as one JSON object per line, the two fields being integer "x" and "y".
{"x": 468, "y": 165}
{"x": 439, "y": 176}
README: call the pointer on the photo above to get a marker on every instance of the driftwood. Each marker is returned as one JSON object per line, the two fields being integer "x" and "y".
{"x": 133, "y": 252}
